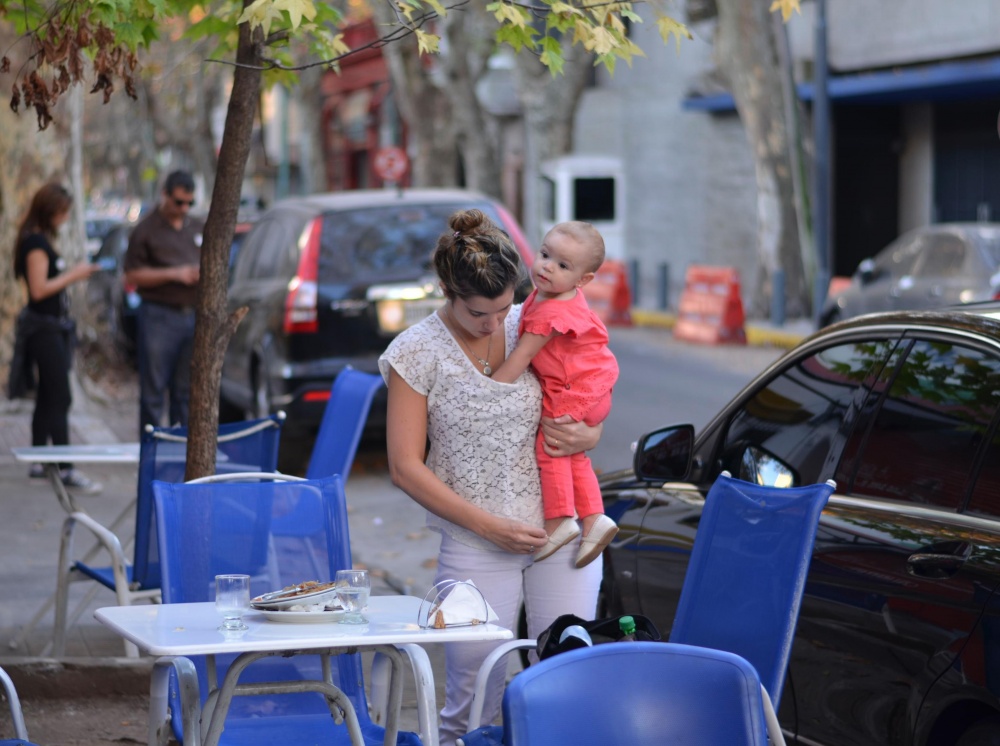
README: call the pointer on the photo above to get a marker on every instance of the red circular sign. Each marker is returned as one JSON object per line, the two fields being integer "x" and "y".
{"x": 390, "y": 163}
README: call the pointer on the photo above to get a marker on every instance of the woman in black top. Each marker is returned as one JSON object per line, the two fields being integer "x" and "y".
{"x": 47, "y": 331}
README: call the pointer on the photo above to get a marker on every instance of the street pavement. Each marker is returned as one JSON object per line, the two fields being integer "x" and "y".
{"x": 387, "y": 536}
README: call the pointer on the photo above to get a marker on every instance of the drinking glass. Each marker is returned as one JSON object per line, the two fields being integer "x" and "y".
{"x": 353, "y": 588}
{"x": 232, "y": 600}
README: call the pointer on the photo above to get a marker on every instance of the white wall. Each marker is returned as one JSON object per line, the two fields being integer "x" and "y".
{"x": 690, "y": 188}
{"x": 866, "y": 34}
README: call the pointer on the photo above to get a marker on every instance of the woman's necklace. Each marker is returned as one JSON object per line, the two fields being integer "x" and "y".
{"x": 487, "y": 370}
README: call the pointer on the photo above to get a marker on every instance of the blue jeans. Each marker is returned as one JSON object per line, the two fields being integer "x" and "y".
{"x": 165, "y": 337}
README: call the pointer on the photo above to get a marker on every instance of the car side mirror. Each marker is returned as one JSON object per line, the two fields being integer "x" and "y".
{"x": 764, "y": 468}
{"x": 867, "y": 271}
{"x": 664, "y": 455}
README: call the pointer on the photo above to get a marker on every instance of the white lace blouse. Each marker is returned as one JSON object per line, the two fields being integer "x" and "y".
{"x": 482, "y": 432}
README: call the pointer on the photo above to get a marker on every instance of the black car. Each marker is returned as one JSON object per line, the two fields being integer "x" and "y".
{"x": 115, "y": 302}
{"x": 329, "y": 280}
{"x": 898, "y": 641}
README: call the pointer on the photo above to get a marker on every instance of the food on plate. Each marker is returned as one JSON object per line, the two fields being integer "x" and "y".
{"x": 311, "y": 592}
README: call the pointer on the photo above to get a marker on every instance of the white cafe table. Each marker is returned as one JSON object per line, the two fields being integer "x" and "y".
{"x": 51, "y": 456}
{"x": 172, "y": 630}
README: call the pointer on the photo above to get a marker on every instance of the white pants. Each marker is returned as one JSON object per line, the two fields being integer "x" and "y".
{"x": 549, "y": 588}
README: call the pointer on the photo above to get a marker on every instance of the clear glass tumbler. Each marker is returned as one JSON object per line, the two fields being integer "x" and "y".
{"x": 353, "y": 588}
{"x": 232, "y": 600}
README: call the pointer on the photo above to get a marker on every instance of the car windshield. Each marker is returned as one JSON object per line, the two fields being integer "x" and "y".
{"x": 382, "y": 242}
{"x": 990, "y": 243}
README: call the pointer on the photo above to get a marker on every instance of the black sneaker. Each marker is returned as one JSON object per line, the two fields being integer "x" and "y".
{"x": 76, "y": 479}
{"x": 37, "y": 471}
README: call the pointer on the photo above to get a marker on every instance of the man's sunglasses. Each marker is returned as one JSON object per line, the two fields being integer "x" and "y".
{"x": 183, "y": 202}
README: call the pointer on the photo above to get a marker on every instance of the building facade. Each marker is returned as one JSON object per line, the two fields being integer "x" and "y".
{"x": 914, "y": 93}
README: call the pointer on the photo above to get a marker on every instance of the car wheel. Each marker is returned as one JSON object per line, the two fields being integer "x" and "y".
{"x": 984, "y": 733}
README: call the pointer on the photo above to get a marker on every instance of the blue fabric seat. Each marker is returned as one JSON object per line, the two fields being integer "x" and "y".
{"x": 637, "y": 694}
{"x": 747, "y": 573}
{"x": 335, "y": 448}
{"x": 242, "y": 447}
{"x": 210, "y": 528}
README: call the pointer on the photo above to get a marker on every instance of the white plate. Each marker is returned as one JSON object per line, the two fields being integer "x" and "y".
{"x": 284, "y": 599}
{"x": 302, "y": 617}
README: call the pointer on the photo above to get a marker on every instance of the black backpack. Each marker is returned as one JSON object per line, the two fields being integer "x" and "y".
{"x": 600, "y": 630}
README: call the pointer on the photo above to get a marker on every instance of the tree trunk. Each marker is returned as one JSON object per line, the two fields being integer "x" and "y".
{"x": 469, "y": 47}
{"x": 550, "y": 105}
{"x": 746, "y": 50}
{"x": 424, "y": 107}
{"x": 215, "y": 325}
{"x": 310, "y": 135}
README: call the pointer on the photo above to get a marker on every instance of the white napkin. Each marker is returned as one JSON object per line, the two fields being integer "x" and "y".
{"x": 464, "y": 604}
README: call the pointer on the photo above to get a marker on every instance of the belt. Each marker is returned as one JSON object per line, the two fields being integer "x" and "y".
{"x": 172, "y": 306}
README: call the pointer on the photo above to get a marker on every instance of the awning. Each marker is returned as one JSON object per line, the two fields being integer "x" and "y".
{"x": 969, "y": 79}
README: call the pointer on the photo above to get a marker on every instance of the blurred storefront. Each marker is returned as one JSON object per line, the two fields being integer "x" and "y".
{"x": 358, "y": 113}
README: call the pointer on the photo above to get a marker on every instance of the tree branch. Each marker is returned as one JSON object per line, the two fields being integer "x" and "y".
{"x": 390, "y": 38}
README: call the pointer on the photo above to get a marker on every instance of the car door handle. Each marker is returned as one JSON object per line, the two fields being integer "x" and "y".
{"x": 939, "y": 561}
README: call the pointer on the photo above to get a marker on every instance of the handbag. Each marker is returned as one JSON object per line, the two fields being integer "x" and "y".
{"x": 600, "y": 631}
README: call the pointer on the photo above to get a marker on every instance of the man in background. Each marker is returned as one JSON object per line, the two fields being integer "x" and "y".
{"x": 162, "y": 262}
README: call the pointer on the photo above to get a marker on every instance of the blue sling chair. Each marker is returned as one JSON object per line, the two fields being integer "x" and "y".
{"x": 217, "y": 526}
{"x": 743, "y": 588}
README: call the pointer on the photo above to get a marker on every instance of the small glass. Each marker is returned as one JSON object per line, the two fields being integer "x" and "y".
{"x": 232, "y": 601}
{"x": 353, "y": 589}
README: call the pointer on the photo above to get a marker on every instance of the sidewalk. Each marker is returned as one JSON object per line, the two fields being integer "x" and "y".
{"x": 94, "y": 686}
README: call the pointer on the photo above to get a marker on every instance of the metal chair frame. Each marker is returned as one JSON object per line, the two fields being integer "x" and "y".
{"x": 134, "y": 579}
{"x": 16, "y": 714}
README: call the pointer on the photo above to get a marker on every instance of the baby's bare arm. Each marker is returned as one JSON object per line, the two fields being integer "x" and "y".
{"x": 518, "y": 361}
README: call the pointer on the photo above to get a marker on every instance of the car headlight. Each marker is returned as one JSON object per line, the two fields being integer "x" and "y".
{"x": 391, "y": 317}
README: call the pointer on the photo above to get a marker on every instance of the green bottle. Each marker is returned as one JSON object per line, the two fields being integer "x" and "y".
{"x": 627, "y": 626}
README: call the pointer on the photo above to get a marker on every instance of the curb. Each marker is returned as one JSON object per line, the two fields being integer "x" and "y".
{"x": 757, "y": 335}
{"x": 73, "y": 678}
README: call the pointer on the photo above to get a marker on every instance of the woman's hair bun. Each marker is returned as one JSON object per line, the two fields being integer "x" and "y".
{"x": 467, "y": 221}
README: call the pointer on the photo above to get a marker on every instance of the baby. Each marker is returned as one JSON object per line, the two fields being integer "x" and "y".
{"x": 567, "y": 346}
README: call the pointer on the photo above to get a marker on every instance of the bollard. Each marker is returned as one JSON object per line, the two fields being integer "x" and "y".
{"x": 663, "y": 287}
{"x": 778, "y": 297}
{"x": 633, "y": 278}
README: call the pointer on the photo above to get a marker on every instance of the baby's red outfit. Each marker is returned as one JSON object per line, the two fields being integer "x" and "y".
{"x": 577, "y": 372}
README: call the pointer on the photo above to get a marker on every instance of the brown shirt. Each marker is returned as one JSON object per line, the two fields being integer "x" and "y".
{"x": 156, "y": 243}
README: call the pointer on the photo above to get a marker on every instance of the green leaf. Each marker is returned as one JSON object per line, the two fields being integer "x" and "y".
{"x": 517, "y": 38}
{"x": 296, "y": 10}
{"x": 560, "y": 22}
{"x": 437, "y": 7}
{"x": 631, "y": 15}
{"x": 552, "y": 56}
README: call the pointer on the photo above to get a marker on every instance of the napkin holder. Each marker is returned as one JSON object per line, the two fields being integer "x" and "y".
{"x": 454, "y": 603}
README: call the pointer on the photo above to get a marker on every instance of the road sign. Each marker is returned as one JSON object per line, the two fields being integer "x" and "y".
{"x": 390, "y": 163}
